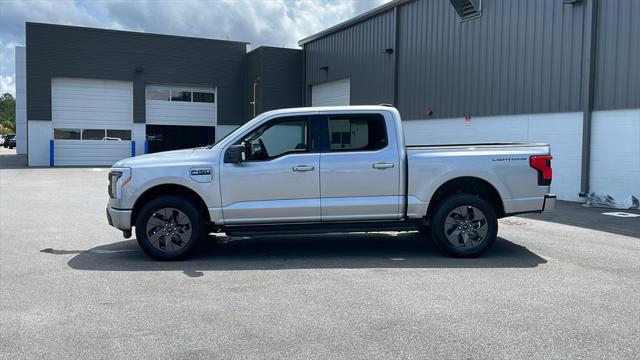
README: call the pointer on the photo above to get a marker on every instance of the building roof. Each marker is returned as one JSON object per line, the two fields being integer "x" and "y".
{"x": 140, "y": 33}
{"x": 362, "y": 17}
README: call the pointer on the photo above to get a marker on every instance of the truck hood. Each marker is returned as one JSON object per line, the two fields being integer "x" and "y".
{"x": 174, "y": 157}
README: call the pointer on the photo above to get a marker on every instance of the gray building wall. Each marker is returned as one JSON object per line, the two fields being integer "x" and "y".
{"x": 617, "y": 63}
{"x": 357, "y": 52}
{"x": 66, "y": 51}
{"x": 519, "y": 56}
{"x": 280, "y": 74}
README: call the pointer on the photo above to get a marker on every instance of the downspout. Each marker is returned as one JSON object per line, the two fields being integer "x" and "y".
{"x": 588, "y": 95}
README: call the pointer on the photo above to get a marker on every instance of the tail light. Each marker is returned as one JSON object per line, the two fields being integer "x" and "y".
{"x": 542, "y": 163}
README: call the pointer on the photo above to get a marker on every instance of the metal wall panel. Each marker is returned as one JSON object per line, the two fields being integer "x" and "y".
{"x": 75, "y": 52}
{"x": 617, "y": 66}
{"x": 280, "y": 74}
{"x": 519, "y": 56}
{"x": 252, "y": 72}
{"x": 357, "y": 52}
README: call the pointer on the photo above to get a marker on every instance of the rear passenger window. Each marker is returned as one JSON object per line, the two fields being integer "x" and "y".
{"x": 358, "y": 132}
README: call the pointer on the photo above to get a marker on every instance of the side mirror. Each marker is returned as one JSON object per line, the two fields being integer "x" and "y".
{"x": 234, "y": 154}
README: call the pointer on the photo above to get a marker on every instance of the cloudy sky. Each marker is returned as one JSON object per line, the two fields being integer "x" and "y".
{"x": 262, "y": 22}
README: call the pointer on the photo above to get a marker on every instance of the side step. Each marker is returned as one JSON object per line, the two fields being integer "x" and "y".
{"x": 320, "y": 228}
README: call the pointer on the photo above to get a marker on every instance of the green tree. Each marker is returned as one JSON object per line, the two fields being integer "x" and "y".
{"x": 7, "y": 114}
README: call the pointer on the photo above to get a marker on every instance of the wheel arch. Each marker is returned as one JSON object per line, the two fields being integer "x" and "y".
{"x": 169, "y": 189}
{"x": 467, "y": 184}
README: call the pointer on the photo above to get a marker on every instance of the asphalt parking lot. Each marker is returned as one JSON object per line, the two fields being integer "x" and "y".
{"x": 554, "y": 287}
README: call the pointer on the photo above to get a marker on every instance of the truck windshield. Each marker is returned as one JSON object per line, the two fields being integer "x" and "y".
{"x": 239, "y": 129}
{"x": 221, "y": 139}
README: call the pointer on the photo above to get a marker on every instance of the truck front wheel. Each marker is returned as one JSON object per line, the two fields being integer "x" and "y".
{"x": 169, "y": 228}
{"x": 464, "y": 225}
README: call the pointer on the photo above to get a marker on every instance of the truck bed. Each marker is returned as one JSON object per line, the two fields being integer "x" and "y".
{"x": 503, "y": 166}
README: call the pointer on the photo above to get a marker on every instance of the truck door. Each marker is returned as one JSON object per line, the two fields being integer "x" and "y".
{"x": 280, "y": 179}
{"x": 360, "y": 169}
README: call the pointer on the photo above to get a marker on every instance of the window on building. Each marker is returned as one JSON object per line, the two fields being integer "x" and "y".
{"x": 158, "y": 94}
{"x": 66, "y": 134}
{"x": 177, "y": 95}
{"x": 92, "y": 134}
{"x": 118, "y": 134}
{"x": 203, "y": 97}
{"x": 357, "y": 132}
{"x": 277, "y": 138}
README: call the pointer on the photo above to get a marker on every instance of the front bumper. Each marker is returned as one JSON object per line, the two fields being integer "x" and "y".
{"x": 549, "y": 204}
{"x": 119, "y": 219}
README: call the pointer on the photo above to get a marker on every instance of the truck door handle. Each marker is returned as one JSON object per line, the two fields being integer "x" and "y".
{"x": 383, "y": 165}
{"x": 303, "y": 168}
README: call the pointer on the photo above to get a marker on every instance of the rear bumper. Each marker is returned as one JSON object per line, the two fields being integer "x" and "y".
{"x": 119, "y": 219}
{"x": 549, "y": 204}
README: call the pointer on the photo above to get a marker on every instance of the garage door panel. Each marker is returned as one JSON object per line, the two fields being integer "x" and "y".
{"x": 97, "y": 85}
{"x": 90, "y": 114}
{"x": 116, "y": 93}
{"x": 161, "y": 112}
{"x": 332, "y": 93}
{"x": 91, "y": 104}
{"x": 92, "y": 100}
{"x": 88, "y": 152}
{"x": 89, "y": 117}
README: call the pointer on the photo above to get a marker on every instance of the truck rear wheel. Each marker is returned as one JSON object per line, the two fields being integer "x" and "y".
{"x": 464, "y": 225}
{"x": 169, "y": 228}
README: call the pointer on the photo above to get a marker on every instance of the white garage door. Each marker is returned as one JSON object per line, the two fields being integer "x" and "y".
{"x": 92, "y": 121}
{"x": 331, "y": 93}
{"x": 180, "y": 105}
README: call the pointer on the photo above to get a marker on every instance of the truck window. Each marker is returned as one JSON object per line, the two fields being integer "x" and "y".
{"x": 357, "y": 132}
{"x": 277, "y": 138}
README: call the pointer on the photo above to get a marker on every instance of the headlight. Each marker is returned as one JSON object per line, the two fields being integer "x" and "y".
{"x": 117, "y": 179}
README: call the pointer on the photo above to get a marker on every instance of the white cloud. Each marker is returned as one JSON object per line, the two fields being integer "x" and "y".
{"x": 8, "y": 85}
{"x": 263, "y": 22}
{"x": 7, "y": 65}
{"x": 13, "y": 15}
{"x": 267, "y": 22}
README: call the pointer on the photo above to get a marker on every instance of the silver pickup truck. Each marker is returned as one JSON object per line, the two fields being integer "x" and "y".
{"x": 326, "y": 170}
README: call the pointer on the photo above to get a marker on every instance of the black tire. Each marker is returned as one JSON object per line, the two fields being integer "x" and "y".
{"x": 424, "y": 230}
{"x": 197, "y": 228}
{"x": 439, "y": 232}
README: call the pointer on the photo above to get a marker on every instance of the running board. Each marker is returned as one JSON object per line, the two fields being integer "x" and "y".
{"x": 320, "y": 228}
